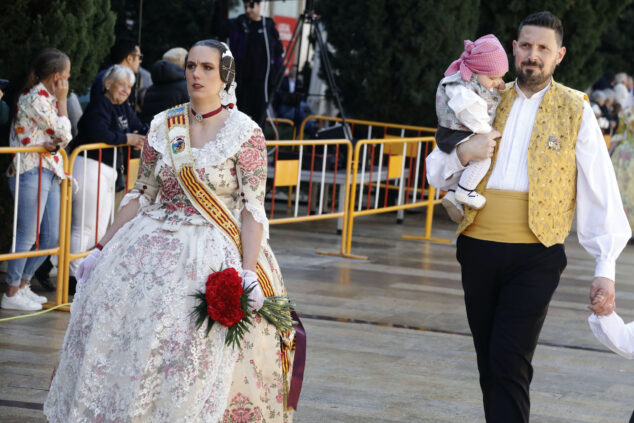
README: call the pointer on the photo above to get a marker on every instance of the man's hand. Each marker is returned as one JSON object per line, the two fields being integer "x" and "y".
{"x": 602, "y": 296}
{"x": 478, "y": 147}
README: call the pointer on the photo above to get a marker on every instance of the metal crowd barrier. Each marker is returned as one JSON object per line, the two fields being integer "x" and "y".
{"x": 58, "y": 251}
{"x": 315, "y": 179}
{"x": 317, "y": 175}
{"x": 369, "y": 129}
{"x": 389, "y": 175}
{"x": 82, "y": 151}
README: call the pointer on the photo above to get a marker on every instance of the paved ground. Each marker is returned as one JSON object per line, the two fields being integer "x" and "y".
{"x": 388, "y": 338}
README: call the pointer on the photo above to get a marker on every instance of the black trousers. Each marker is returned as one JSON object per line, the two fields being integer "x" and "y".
{"x": 507, "y": 291}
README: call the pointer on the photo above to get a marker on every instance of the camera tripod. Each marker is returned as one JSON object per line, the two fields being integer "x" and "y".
{"x": 311, "y": 18}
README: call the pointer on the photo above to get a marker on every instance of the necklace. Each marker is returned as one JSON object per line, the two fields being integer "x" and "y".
{"x": 200, "y": 117}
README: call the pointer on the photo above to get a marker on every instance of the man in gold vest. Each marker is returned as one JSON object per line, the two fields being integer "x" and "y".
{"x": 550, "y": 160}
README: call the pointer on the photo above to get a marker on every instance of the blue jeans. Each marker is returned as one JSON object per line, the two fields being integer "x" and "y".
{"x": 23, "y": 269}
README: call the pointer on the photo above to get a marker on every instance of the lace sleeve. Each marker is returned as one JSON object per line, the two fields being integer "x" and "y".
{"x": 251, "y": 174}
{"x": 146, "y": 186}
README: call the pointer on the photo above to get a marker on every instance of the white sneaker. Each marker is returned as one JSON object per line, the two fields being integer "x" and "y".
{"x": 454, "y": 210}
{"x": 32, "y": 295}
{"x": 19, "y": 302}
{"x": 470, "y": 198}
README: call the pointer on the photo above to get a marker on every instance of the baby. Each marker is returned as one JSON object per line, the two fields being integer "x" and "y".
{"x": 466, "y": 100}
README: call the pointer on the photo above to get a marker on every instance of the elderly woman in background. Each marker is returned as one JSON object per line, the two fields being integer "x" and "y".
{"x": 41, "y": 120}
{"x": 107, "y": 119}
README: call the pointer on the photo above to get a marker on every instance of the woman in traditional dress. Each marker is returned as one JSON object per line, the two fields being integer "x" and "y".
{"x": 132, "y": 352}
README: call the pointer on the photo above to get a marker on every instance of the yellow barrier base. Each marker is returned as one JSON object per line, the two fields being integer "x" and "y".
{"x": 348, "y": 256}
{"x": 425, "y": 238}
{"x": 51, "y": 304}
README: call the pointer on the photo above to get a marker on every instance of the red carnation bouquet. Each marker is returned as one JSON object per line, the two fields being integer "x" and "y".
{"x": 225, "y": 301}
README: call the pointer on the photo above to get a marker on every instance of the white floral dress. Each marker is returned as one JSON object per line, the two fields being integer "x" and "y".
{"x": 131, "y": 351}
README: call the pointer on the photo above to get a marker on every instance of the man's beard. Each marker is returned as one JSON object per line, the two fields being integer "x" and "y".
{"x": 533, "y": 77}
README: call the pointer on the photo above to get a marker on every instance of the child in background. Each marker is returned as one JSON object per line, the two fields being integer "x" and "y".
{"x": 612, "y": 331}
{"x": 466, "y": 101}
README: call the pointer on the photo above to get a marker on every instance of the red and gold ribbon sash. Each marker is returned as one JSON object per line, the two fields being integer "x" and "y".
{"x": 203, "y": 199}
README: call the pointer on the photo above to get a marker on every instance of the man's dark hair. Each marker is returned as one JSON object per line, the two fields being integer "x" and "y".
{"x": 544, "y": 19}
{"x": 121, "y": 49}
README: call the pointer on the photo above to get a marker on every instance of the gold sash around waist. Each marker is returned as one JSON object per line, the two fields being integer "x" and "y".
{"x": 504, "y": 218}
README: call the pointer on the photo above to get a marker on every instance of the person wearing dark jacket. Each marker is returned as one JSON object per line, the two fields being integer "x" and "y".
{"x": 169, "y": 89}
{"x": 107, "y": 119}
{"x": 255, "y": 67}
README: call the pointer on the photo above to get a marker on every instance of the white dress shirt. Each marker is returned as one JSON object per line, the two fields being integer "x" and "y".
{"x": 612, "y": 332}
{"x": 602, "y": 225}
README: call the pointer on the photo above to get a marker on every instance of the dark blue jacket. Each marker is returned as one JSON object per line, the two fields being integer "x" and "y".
{"x": 105, "y": 122}
{"x": 169, "y": 89}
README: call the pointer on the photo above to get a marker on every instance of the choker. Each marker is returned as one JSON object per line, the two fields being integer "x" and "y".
{"x": 200, "y": 117}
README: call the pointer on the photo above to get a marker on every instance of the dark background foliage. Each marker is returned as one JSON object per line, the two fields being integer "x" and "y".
{"x": 168, "y": 23}
{"x": 388, "y": 56}
{"x": 83, "y": 29}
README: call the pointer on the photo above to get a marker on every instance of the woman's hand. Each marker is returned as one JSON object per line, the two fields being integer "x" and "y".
{"x": 256, "y": 296}
{"x": 61, "y": 89}
{"x": 86, "y": 266}
{"x": 135, "y": 140}
{"x": 51, "y": 147}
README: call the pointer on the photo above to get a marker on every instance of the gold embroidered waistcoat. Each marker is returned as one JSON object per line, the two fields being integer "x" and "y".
{"x": 552, "y": 168}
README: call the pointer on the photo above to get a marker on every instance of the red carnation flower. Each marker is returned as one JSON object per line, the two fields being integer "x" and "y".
{"x": 223, "y": 292}
{"x": 50, "y": 131}
{"x": 26, "y": 141}
{"x": 56, "y": 158}
{"x": 43, "y": 92}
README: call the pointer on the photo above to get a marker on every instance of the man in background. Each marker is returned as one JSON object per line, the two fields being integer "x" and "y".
{"x": 126, "y": 53}
{"x": 256, "y": 65}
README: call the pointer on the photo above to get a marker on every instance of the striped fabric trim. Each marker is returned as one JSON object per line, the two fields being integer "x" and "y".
{"x": 217, "y": 213}
{"x": 176, "y": 120}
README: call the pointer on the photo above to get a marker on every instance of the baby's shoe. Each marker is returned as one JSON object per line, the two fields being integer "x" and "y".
{"x": 454, "y": 210}
{"x": 470, "y": 198}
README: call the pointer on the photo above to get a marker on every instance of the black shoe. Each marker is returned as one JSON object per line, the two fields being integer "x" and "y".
{"x": 47, "y": 283}
{"x": 41, "y": 274}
